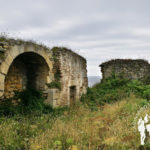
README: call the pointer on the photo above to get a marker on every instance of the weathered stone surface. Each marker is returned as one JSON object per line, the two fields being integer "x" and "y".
{"x": 2, "y": 78}
{"x": 73, "y": 76}
{"x": 4, "y": 68}
{"x": 53, "y": 96}
{"x": 131, "y": 69}
{"x": 26, "y": 64}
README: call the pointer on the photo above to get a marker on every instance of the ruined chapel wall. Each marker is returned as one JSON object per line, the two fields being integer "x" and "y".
{"x": 132, "y": 69}
{"x": 24, "y": 64}
{"x": 73, "y": 74}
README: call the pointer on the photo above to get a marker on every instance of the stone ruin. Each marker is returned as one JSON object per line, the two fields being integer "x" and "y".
{"x": 59, "y": 72}
{"x": 137, "y": 69}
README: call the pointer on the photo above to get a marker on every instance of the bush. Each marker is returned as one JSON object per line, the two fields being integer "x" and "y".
{"x": 113, "y": 89}
{"x": 25, "y": 102}
{"x": 54, "y": 84}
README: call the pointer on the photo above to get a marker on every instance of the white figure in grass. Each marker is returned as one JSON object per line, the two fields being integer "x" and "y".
{"x": 146, "y": 118}
{"x": 142, "y": 128}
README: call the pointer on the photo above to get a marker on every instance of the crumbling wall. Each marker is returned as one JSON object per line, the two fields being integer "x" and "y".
{"x": 132, "y": 69}
{"x": 73, "y": 75}
{"x": 59, "y": 72}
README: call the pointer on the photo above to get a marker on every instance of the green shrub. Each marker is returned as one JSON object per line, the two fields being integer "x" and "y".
{"x": 26, "y": 101}
{"x": 54, "y": 84}
{"x": 55, "y": 57}
{"x": 7, "y": 108}
{"x": 113, "y": 89}
{"x": 146, "y": 92}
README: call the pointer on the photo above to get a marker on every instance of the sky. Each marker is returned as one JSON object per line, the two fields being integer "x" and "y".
{"x": 99, "y": 30}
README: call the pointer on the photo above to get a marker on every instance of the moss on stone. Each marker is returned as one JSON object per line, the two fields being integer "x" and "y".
{"x": 56, "y": 67}
{"x": 54, "y": 84}
{"x": 2, "y": 56}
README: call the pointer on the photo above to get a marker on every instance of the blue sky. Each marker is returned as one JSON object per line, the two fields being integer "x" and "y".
{"x": 99, "y": 30}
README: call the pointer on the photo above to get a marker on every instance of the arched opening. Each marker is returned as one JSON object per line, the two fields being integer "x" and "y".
{"x": 28, "y": 70}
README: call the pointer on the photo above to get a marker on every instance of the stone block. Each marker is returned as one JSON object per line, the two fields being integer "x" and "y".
{"x": 2, "y": 80}
{"x": 4, "y": 68}
{"x": 53, "y": 96}
{"x": 14, "y": 51}
{"x": 73, "y": 82}
{"x": 9, "y": 59}
{"x": 2, "y": 77}
{"x": 1, "y": 93}
{"x": 1, "y": 86}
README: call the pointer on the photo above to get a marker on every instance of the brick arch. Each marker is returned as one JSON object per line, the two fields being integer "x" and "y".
{"x": 13, "y": 54}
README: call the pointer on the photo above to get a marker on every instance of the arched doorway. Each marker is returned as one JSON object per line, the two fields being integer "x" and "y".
{"x": 28, "y": 70}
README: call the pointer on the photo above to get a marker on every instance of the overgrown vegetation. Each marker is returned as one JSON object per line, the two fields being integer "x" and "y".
{"x": 6, "y": 42}
{"x": 110, "y": 125}
{"x": 113, "y": 89}
{"x": 112, "y": 128}
{"x": 27, "y": 102}
{"x": 4, "y": 37}
{"x": 54, "y": 84}
{"x": 56, "y": 69}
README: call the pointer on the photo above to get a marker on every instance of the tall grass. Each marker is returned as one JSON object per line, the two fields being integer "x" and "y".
{"x": 111, "y": 127}
{"x": 106, "y": 120}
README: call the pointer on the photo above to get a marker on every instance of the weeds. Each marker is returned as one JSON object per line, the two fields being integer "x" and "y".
{"x": 27, "y": 102}
{"x": 107, "y": 128}
{"x": 113, "y": 89}
{"x": 112, "y": 123}
{"x": 54, "y": 84}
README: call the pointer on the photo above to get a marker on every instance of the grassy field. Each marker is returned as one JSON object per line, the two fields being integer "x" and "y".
{"x": 113, "y": 126}
{"x": 105, "y": 119}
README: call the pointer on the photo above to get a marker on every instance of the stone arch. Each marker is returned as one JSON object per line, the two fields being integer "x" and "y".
{"x": 23, "y": 54}
{"x": 28, "y": 70}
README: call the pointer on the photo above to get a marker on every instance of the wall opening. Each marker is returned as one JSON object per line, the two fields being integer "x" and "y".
{"x": 28, "y": 70}
{"x": 72, "y": 95}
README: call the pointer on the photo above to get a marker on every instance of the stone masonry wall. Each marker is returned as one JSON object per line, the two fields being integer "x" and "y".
{"x": 15, "y": 79}
{"x": 132, "y": 69}
{"x": 26, "y": 64}
{"x": 73, "y": 76}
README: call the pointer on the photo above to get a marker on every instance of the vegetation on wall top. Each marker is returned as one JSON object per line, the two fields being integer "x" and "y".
{"x": 11, "y": 41}
{"x": 125, "y": 62}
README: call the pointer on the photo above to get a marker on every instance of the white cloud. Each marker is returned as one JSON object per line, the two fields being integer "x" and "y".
{"x": 99, "y": 30}
{"x": 141, "y": 32}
